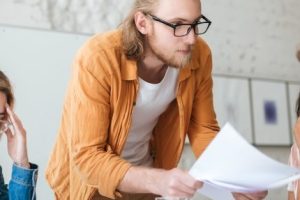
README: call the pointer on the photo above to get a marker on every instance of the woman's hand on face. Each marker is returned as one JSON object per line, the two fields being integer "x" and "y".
{"x": 16, "y": 139}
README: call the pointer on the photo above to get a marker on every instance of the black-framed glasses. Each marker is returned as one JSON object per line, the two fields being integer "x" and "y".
{"x": 200, "y": 27}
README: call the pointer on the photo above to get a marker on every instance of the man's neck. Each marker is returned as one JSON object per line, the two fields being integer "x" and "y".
{"x": 152, "y": 71}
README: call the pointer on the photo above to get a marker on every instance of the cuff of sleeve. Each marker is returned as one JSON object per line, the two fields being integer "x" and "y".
{"x": 111, "y": 190}
{"x": 25, "y": 176}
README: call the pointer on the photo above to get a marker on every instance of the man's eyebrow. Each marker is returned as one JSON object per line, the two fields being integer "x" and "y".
{"x": 184, "y": 20}
{"x": 2, "y": 113}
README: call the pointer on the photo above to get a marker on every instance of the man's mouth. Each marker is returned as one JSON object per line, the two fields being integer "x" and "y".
{"x": 184, "y": 51}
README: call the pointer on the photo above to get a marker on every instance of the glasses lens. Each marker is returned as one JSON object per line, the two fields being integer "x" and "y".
{"x": 201, "y": 28}
{"x": 182, "y": 30}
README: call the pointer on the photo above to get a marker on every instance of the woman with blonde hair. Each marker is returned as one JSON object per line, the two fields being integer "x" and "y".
{"x": 24, "y": 174}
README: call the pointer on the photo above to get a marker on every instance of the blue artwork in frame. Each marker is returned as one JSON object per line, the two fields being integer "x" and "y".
{"x": 270, "y": 112}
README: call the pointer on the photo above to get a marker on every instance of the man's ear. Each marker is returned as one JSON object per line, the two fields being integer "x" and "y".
{"x": 141, "y": 24}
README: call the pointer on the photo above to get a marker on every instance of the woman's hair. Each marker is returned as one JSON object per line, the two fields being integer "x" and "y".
{"x": 6, "y": 88}
{"x": 132, "y": 39}
{"x": 298, "y": 106}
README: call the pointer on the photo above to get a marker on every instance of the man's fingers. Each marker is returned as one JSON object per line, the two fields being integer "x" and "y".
{"x": 182, "y": 184}
{"x": 257, "y": 195}
{"x": 199, "y": 184}
{"x": 250, "y": 196}
{"x": 239, "y": 196}
{"x": 191, "y": 182}
{"x": 189, "y": 190}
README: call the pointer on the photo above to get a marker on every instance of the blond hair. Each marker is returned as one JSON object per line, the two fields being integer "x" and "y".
{"x": 132, "y": 39}
{"x": 6, "y": 88}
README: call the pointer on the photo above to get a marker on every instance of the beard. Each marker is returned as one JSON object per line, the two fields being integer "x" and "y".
{"x": 169, "y": 58}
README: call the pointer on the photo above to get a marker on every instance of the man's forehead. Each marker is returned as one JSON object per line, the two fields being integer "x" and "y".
{"x": 184, "y": 9}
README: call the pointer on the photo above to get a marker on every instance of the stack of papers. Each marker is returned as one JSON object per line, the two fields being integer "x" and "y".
{"x": 231, "y": 164}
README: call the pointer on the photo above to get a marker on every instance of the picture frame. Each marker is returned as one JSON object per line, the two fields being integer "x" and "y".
{"x": 232, "y": 104}
{"x": 270, "y": 113}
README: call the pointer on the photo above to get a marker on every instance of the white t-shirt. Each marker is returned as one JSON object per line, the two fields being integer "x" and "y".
{"x": 152, "y": 101}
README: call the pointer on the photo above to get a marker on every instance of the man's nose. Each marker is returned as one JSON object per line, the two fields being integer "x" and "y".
{"x": 191, "y": 37}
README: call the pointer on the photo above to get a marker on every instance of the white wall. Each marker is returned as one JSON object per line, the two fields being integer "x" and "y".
{"x": 254, "y": 38}
{"x": 38, "y": 64}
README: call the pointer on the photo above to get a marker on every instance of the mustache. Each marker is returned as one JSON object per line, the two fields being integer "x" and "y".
{"x": 186, "y": 48}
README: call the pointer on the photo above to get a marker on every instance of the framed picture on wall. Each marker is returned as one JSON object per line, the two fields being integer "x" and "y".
{"x": 270, "y": 113}
{"x": 293, "y": 90}
{"x": 232, "y": 104}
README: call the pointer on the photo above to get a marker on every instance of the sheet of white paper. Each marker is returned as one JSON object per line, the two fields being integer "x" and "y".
{"x": 231, "y": 164}
{"x": 215, "y": 192}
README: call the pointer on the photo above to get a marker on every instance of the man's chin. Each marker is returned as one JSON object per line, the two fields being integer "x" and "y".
{"x": 178, "y": 61}
{"x": 183, "y": 62}
{"x": 178, "y": 66}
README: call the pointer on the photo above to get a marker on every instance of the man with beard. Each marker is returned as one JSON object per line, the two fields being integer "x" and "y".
{"x": 135, "y": 94}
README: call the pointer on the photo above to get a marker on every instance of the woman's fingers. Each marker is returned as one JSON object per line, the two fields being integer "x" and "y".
{"x": 11, "y": 115}
{"x": 16, "y": 122}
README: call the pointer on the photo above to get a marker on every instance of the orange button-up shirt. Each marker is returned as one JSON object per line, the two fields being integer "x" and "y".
{"x": 97, "y": 116}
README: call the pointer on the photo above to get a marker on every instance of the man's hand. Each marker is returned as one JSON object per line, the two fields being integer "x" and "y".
{"x": 177, "y": 183}
{"x": 173, "y": 183}
{"x": 250, "y": 196}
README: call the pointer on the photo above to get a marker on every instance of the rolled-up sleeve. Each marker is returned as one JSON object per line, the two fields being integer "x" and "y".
{"x": 92, "y": 157}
